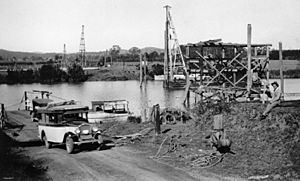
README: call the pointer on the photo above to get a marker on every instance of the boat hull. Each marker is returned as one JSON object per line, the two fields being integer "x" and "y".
{"x": 96, "y": 117}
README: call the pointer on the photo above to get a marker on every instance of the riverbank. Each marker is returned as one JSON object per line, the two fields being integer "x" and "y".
{"x": 260, "y": 148}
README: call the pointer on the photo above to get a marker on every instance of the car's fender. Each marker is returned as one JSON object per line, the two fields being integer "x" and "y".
{"x": 72, "y": 135}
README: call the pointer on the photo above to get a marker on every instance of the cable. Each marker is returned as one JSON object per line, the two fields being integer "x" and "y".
{"x": 13, "y": 105}
{"x": 58, "y": 97}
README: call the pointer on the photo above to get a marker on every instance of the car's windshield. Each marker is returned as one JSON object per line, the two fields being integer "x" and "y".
{"x": 74, "y": 118}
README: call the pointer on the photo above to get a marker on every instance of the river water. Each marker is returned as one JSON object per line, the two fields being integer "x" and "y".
{"x": 85, "y": 92}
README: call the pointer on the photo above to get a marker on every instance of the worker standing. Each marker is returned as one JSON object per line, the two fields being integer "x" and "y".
{"x": 275, "y": 101}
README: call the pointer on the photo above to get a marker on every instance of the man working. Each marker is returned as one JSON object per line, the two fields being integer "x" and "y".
{"x": 275, "y": 101}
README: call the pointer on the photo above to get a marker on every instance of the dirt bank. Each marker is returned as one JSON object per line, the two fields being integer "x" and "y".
{"x": 268, "y": 148}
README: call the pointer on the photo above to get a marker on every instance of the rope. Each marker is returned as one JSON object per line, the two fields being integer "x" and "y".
{"x": 58, "y": 97}
{"x": 207, "y": 160}
{"x": 13, "y": 105}
{"x": 156, "y": 155}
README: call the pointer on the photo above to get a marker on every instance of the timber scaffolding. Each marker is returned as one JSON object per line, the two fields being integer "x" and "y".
{"x": 210, "y": 68}
{"x": 235, "y": 70}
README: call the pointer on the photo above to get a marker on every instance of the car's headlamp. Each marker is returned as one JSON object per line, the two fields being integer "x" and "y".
{"x": 77, "y": 131}
{"x": 95, "y": 129}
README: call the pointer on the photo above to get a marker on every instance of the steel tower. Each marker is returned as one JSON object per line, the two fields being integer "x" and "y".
{"x": 64, "y": 57}
{"x": 82, "y": 48}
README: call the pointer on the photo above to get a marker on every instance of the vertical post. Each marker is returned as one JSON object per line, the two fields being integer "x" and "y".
{"x": 123, "y": 64}
{"x": 255, "y": 51}
{"x": 64, "y": 58}
{"x": 234, "y": 70}
{"x": 2, "y": 116}
{"x": 188, "y": 98}
{"x": 105, "y": 58}
{"x": 166, "y": 52}
{"x": 157, "y": 119}
{"x": 267, "y": 66}
{"x": 223, "y": 53}
{"x": 187, "y": 51}
{"x": 249, "y": 59}
{"x": 25, "y": 99}
{"x": 2, "y": 110}
{"x": 145, "y": 68}
{"x": 111, "y": 60}
{"x": 281, "y": 70}
{"x": 141, "y": 70}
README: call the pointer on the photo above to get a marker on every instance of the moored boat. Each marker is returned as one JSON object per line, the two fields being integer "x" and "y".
{"x": 109, "y": 110}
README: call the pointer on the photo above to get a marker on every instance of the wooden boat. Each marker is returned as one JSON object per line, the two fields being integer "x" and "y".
{"x": 108, "y": 111}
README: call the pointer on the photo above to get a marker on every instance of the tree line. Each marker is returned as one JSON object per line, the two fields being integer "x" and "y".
{"x": 286, "y": 54}
{"x": 48, "y": 73}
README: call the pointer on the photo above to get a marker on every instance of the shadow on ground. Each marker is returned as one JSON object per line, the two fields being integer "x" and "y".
{"x": 15, "y": 164}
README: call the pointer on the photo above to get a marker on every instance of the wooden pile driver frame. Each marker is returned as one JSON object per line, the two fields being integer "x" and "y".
{"x": 240, "y": 62}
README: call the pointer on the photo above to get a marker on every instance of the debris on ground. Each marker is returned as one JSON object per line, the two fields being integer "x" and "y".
{"x": 252, "y": 147}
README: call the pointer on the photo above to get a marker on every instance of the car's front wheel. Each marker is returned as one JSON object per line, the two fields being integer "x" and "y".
{"x": 47, "y": 143}
{"x": 69, "y": 144}
{"x": 100, "y": 142}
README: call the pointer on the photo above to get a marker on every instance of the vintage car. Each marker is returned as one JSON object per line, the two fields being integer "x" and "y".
{"x": 67, "y": 124}
{"x": 109, "y": 110}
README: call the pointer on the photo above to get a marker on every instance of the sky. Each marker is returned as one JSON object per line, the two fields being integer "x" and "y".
{"x": 45, "y": 25}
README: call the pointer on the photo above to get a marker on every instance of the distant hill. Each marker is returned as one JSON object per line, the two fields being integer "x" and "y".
{"x": 19, "y": 55}
{"x": 10, "y": 54}
{"x": 152, "y": 49}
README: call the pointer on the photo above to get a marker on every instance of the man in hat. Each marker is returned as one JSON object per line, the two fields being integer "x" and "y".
{"x": 275, "y": 101}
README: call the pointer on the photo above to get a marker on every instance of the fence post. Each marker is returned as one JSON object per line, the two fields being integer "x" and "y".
{"x": 2, "y": 116}
{"x": 157, "y": 119}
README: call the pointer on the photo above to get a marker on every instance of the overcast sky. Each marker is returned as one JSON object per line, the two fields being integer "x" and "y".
{"x": 45, "y": 25}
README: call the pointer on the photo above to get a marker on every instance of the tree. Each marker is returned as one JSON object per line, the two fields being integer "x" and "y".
{"x": 115, "y": 50}
{"x": 153, "y": 56}
{"x": 134, "y": 51}
{"x": 57, "y": 57}
{"x": 76, "y": 73}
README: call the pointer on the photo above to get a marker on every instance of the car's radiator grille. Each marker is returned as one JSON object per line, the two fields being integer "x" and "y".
{"x": 85, "y": 129}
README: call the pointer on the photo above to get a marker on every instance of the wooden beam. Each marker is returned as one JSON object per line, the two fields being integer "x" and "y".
{"x": 225, "y": 68}
{"x": 215, "y": 70}
{"x": 267, "y": 65}
{"x": 249, "y": 82}
{"x": 141, "y": 71}
{"x": 145, "y": 69}
{"x": 281, "y": 70}
{"x": 186, "y": 92}
{"x": 156, "y": 118}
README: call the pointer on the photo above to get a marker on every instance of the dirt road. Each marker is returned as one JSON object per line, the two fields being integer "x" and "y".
{"x": 119, "y": 163}
{"x": 116, "y": 163}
